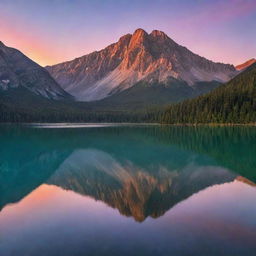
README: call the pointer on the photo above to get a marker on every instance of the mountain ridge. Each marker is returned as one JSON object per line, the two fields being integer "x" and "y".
{"x": 246, "y": 64}
{"x": 136, "y": 57}
{"x": 17, "y": 70}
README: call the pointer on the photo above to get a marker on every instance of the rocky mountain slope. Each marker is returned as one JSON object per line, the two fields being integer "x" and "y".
{"x": 17, "y": 70}
{"x": 245, "y": 65}
{"x": 153, "y": 58}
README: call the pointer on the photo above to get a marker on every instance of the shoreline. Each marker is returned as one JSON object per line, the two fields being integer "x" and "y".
{"x": 108, "y": 124}
{"x": 213, "y": 124}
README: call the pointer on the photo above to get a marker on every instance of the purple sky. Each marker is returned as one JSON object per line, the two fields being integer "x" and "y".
{"x": 53, "y": 31}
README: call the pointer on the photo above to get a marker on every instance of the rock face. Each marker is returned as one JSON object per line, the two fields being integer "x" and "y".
{"x": 245, "y": 64}
{"x": 16, "y": 70}
{"x": 153, "y": 58}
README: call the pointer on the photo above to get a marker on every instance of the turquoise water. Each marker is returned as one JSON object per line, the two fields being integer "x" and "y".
{"x": 127, "y": 190}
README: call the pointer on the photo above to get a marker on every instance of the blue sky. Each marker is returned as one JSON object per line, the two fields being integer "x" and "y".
{"x": 52, "y": 31}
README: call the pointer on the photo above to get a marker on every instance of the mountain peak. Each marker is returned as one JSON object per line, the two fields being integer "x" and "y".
{"x": 158, "y": 33}
{"x": 140, "y": 32}
{"x": 151, "y": 58}
{"x": 138, "y": 38}
{"x": 123, "y": 38}
{"x": 30, "y": 76}
{"x": 245, "y": 64}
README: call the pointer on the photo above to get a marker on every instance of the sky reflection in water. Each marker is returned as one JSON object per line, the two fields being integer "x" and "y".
{"x": 128, "y": 190}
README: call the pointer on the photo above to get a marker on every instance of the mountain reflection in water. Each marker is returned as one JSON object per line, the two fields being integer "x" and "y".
{"x": 139, "y": 171}
{"x": 133, "y": 190}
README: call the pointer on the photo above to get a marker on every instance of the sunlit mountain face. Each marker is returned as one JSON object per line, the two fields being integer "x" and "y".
{"x": 123, "y": 185}
{"x": 150, "y": 60}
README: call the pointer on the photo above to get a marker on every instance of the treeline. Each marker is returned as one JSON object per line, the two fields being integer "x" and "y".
{"x": 234, "y": 102}
{"x": 13, "y": 114}
{"x": 20, "y": 105}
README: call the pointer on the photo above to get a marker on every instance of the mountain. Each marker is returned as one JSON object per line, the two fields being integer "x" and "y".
{"x": 132, "y": 190}
{"x": 245, "y": 64}
{"x": 18, "y": 71}
{"x": 234, "y": 102}
{"x": 154, "y": 59}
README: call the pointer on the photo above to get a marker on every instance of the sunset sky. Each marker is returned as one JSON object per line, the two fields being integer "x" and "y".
{"x": 53, "y": 31}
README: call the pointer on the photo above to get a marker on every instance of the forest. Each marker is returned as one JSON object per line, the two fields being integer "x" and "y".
{"x": 231, "y": 103}
{"x": 234, "y": 103}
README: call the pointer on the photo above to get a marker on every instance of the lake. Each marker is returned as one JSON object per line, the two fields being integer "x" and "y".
{"x": 127, "y": 190}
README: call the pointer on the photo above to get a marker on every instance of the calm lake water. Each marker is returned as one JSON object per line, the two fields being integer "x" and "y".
{"x": 127, "y": 190}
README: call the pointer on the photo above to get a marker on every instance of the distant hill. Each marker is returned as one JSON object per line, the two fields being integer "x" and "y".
{"x": 142, "y": 95}
{"x": 234, "y": 102}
